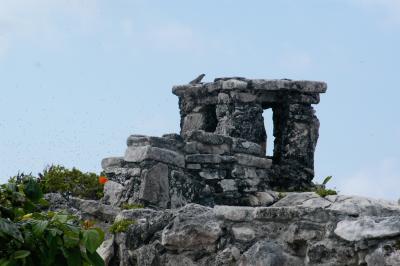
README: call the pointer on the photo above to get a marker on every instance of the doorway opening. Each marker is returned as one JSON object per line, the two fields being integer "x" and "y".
{"x": 210, "y": 118}
{"x": 269, "y": 128}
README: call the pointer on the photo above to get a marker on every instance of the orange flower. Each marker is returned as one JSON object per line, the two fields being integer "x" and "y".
{"x": 103, "y": 179}
{"x": 88, "y": 224}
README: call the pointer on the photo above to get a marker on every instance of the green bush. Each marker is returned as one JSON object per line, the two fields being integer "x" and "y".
{"x": 323, "y": 191}
{"x": 30, "y": 237}
{"x": 127, "y": 206}
{"x": 121, "y": 226}
{"x": 57, "y": 178}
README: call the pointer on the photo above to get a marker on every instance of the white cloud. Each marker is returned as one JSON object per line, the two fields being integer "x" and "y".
{"x": 381, "y": 180}
{"x": 42, "y": 21}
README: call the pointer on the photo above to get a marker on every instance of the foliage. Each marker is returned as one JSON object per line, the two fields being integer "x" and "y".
{"x": 57, "y": 178}
{"x": 121, "y": 226}
{"x": 281, "y": 195}
{"x": 323, "y": 191}
{"x": 30, "y": 237}
{"x": 326, "y": 180}
{"x": 130, "y": 206}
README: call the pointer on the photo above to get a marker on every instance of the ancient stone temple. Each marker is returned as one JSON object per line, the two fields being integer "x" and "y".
{"x": 219, "y": 156}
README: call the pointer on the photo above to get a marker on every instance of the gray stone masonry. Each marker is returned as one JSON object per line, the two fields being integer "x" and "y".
{"x": 219, "y": 156}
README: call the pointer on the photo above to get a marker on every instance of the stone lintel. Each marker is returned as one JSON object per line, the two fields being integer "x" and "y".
{"x": 242, "y": 84}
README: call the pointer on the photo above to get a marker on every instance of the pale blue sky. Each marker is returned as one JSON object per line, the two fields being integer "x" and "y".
{"x": 77, "y": 77}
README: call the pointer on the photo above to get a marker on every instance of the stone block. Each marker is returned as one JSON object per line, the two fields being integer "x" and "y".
{"x": 139, "y": 154}
{"x": 228, "y": 185}
{"x": 154, "y": 187}
{"x": 193, "y": 166}
{"x": 213, "y": 149}
{"x": 189, "y": 89}
{"x": 236, "y": 84}
{"x": 112, "y": 162}
{"x": 204, "y": 158}
{"x": 235, "y": 213}
{"x": 213, "y": 86}
{"x": 243, "y": 97}
{"x": 288, "y": 85}
{"x": 265, "y": 198}
{"x": 210, "y": 174}
{"x": 191, "y": 147}
{"x": 223, "y": 98}
{"x": 243, "y": 233}
{"x": 159, "y": 142}
{"x": 112, "y": 192}
{"x": 247, "y": 147}
{"x": 208, "y": 138}
{"x": 250, "y": 160}
{"x": 276, "y": 213}
{"x": 193, "y": 121}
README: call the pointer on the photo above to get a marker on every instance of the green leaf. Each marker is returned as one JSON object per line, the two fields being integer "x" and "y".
{"x": 32, "y": 190}
{"x": 43, "y": 202}
{"x": 9, "y": 228}
{"x": 20, "y": 254}
{"x": 6, "y": 262}
{"x": 92, "y": 239}
{"x": 101, "y": 233}
{"x": 54, "y": 231}
{"x": 326, "y": 180}
{"x": 71, "y": 238}
{"x": 39, "y": 226}
{"x": 74, "y": 257}
{"x": 62, "y": 218}
{"x": 95, "y": 259}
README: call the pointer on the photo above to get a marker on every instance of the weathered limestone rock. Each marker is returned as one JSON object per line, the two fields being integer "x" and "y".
{"x": 243, "y": 233}
{"x": 106, "y": 250}
{"x": 368, "y": 228}
{"x": 141, "y": 153}
{"x": 244, "y": 146}
{"x": 170, "y": 141}
{"x": 195, "y": 231}
{"x": 268, "y": 253}
{"x": 249, "y": 160}
{"x": 112, "y": 162}
{"x": 383, "y": 257}
{"x": 155, "y": 186}
{"x": 113, "y": 192}
{"x": 223, "y": 235}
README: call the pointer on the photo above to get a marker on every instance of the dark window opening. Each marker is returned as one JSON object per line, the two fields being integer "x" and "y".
{"x": 269, "y": 128}
{"x": 210, "y": 117}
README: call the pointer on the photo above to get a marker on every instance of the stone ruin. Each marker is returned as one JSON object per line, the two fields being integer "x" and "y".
{"x": 191, "y": 183}
{"x": 219, "y": 157}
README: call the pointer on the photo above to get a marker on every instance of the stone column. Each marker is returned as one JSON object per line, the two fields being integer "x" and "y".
{"x": 296, "y": 134}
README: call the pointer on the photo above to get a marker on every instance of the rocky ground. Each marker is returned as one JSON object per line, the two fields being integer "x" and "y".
{"x": 294, "y": 229}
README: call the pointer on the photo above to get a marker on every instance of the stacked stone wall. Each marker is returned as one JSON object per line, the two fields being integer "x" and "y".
{"x": 219, "y": 155}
